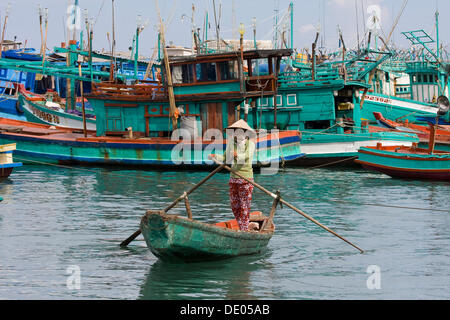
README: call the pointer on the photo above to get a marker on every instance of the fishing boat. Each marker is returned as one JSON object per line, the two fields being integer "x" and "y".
{"x": 406, "y": 162}
{"x": 410, "y": 162}
{"x": 51, "y": 144}
{"x": 442, "y": 140}
{"x": 324, "y": 106}
{"x": 51, "y": 110}
{"x": 172, "y": 237}
{"x": 6, "y": 160}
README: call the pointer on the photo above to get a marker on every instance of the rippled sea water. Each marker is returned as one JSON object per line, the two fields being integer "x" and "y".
{"x": 53, "y": 218}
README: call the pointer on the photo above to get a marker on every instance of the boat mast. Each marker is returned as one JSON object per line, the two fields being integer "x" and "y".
{"x": 217, "y": 27}
{"x": 291, "y": 8}
{"x": 40, "y": 26}
{"x": 113, "y": 49}
{"x": 4, "y": 28}
{"x": 173, "y": 107}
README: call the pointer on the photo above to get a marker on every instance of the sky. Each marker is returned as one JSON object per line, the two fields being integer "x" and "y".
{"x": 23, "y": 21}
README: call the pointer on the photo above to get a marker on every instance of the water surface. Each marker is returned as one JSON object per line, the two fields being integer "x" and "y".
{"x": 53, "y": 218}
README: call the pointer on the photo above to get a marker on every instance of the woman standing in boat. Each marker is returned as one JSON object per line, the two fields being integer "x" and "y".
{"x": 239, "y": 153}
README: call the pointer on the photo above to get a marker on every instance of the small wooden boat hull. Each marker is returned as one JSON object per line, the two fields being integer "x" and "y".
{"x": 172, "y": 237}
{"x": 7, "y": 169}
{"x": 43, "y": 143}
{"x": 6, "y": 160}
{"x": 403, "y": 162}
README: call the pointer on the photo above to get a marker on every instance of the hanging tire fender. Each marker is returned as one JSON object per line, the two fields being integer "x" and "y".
{"x": 19, "y": 108}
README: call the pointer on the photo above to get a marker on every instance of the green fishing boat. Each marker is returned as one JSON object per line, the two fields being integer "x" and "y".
{"x": 411, "y": 162}
{"x": 171, "y": 237}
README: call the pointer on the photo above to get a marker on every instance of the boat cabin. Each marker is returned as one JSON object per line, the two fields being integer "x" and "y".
{"x": 311, "y": 105}
{"x": 209, "y": 91}
{"x": 425, "y": 81}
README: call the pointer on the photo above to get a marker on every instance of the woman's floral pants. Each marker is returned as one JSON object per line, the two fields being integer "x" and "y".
{"x": 241, "y": 200}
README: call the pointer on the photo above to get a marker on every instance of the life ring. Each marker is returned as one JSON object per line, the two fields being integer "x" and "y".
{"x": 19, "y": 108}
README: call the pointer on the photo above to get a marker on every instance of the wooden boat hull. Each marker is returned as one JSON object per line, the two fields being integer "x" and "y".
{"x": 327, "y": 148}
{"x": 176, "y": 238}
{"x": 6, "y": 160}
{"x": 40, "y": 143}
{"x": 7, "y": 169}
{"x": 410, "y": 163}
{"x": 395, "y": 108}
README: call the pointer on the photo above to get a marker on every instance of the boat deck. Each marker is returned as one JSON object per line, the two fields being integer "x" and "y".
{"x": 409, "y": 150}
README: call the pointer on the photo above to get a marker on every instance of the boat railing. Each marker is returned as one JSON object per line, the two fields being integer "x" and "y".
{"x": 295, "y": 78}
{"x": 151, "y": 89}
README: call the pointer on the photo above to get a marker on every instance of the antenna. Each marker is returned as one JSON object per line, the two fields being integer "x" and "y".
{"x": 275, "y": 22}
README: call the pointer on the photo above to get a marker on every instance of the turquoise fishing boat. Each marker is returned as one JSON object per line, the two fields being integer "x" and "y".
{"x": 411, "y": 162}
{"x": 38, "y": 143}
{"x": 403, "y": 162}
{"x": 325, "y": 107}
{"x": 137, "y": 124}
{"x": 172, "y": 237}
{"x": 39, "y": 109}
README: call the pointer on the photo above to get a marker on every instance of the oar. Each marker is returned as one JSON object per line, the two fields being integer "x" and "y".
{"x": 288, "y": 205}
{"x": 173, "y": 204}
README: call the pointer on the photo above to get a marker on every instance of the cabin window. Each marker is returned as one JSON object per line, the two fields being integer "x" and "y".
{"x": 260, "y": 67}
{"x": 279, "y": 100}
{"x": 228, "y": 70}
{"x": 188, "y": 73}
{"x": 177, "y": 75}
{"x": 206, "y": 72}
{"x": 182, "y": 74}
{"x": 419, "y": 78}
{"x": 291, "y": 99}
{"x": 264, "y": 102}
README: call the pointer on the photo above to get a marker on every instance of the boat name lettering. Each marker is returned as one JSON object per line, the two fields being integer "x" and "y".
{"x": 45, "y": 115}
{"x": 379, "y": 99}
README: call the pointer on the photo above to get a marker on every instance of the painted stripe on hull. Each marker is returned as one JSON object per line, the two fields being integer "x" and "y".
{"x": 344, "y": 149}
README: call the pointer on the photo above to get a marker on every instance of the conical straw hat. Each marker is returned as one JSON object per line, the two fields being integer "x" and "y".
{"x": 241, "y": 124}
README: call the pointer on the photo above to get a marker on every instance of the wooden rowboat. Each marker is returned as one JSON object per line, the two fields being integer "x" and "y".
{"x": 406, "y": 162}
{"x": 172, "y": 237}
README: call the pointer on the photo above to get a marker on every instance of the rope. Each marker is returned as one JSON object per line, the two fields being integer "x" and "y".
{"x": 375, "y": 205}
{"x": 334, "y": 162}
{"x": 80, "y": 169}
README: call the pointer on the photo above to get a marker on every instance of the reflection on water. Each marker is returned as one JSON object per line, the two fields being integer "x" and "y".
{"x": 224, "y": 279}
{"x": 53, "y": 218}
